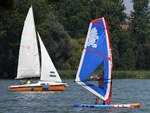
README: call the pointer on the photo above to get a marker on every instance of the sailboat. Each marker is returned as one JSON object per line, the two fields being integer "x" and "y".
{"x": 29, "y": 62}
{"x": 97, "y": 51}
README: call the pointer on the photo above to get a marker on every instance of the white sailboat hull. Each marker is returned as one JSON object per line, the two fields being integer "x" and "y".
{"x": 40, "y": 86}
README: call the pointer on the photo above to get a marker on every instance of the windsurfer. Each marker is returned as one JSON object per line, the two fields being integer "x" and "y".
{"x": 101, "y": 85}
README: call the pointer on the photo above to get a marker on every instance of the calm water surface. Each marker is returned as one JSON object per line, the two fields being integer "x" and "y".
{"x": 123, "y": 91}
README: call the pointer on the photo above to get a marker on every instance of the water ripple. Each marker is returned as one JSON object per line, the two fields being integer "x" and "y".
{"x": 123, "y": 91}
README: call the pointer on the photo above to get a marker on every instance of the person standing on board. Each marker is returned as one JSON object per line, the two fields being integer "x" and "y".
{"x": 101, "y": 85}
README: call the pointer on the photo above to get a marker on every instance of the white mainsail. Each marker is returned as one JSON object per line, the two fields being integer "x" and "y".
{"x": 28, "y": 63}
{"x": 48, "y": 70}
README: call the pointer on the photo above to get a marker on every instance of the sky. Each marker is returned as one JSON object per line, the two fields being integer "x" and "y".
{"x": 129, "y": 6}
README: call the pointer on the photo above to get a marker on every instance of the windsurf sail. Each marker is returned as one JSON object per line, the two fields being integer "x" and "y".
{"x": 97, "y": 51}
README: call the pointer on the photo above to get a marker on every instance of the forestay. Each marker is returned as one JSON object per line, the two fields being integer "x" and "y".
{"x": 48, "y": 70}
{"x": 97, "y": 50}
{"x": 28, "y": 63}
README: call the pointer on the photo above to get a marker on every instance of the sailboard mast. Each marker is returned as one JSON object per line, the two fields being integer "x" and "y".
{"x": 97, "y": 50}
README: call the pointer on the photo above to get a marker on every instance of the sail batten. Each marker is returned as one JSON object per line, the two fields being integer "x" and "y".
{"x": 98, "y": 53}
{"x": 97, "y": 50}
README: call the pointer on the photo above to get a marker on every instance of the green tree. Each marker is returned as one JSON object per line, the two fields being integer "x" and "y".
{"x": 8, "y": 41}
{"x": 74, "y": 15}
{"x": 75, "y": 54}
{"x": 140, "y": 29}
{"x": 147, "y": 54}
{"x": 112, "y": 10}
{"x": 141, "y": 19}
{"x": 128, "y": 60}
{"x": 55, "y": 38}
{"x": 126, "y": 44}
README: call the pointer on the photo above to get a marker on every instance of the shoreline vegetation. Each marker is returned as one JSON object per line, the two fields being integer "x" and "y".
{"x": 138, "y": 74}
{"x": 64, "y": 28}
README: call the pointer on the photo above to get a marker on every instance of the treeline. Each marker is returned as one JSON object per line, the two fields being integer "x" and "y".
{"x": 63, "y": 27}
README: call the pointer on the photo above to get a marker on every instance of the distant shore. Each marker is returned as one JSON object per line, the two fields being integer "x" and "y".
{"x": 138, "y": 74}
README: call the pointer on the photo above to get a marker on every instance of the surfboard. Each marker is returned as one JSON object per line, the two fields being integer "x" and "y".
{"x": 109, "y": 106}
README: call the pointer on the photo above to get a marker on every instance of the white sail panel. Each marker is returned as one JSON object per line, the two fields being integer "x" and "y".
{"x": 28, "y": 63}
{"x": 48, "y": 70}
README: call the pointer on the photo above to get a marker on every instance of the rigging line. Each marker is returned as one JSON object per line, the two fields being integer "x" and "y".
{"x": 98, "y": 54}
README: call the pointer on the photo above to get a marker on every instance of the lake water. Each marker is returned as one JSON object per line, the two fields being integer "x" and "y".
{"x": 123, "y": 91}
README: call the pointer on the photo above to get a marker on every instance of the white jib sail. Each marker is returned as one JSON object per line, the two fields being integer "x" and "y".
{"x": 48, "y": 70}
{"x": 28, "y": 63}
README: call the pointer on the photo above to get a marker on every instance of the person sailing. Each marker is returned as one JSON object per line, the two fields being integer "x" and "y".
{"x": 28, "y": 82}
{"x": 101, "y": 85}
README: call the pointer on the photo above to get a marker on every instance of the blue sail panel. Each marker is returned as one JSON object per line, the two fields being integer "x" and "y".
{"x": 96, "y": 51}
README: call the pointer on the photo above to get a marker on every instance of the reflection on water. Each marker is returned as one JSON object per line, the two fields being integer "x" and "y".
{"x": 124, "y": 91}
